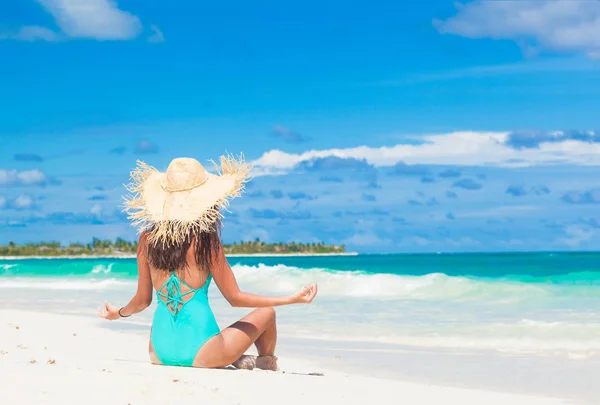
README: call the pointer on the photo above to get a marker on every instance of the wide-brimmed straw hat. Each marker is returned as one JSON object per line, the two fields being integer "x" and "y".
{"x": 185, "y": 198}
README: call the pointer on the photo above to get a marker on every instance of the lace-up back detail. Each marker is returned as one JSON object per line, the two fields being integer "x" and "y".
{"x": 175, "y": 293}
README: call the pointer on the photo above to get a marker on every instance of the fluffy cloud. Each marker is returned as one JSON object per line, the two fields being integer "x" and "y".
{"x": 25, "y": 178}
{"x": 288, "y": 135}
{"x": 22, "y": 202}
{"x": 457, "y": 148}
{"x": 451, "y": 194}
{"x": 427, "y": 179}
{"x": 570, "y": 26}
{"x": 582, "y": 197}
{"x": 468, "y": 184}
{"x": 97, "y": 19}
{"x": 94, "y": 19}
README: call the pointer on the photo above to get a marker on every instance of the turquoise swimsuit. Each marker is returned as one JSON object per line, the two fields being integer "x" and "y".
{"x": 181, "y": 326}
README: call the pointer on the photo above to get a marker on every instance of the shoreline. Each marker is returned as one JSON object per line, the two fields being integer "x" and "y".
{"x": 82, "y": 355}
{"x": 132, "y": 256}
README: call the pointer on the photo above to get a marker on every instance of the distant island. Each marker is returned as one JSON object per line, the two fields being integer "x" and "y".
{"x": 122, "y": 248}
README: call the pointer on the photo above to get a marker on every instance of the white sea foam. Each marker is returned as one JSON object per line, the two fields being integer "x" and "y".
{"x": 62, "y": 283}
{"x": 582, "y": 346}
{"x": 436, "y": 286}
{"x": 431, "y": 311}
{"x": 281, "y": 279}
{"x": 100, "y": 268}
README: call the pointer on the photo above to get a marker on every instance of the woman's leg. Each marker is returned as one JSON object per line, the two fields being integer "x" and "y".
{"x": 258, "y": 327}
{"x": 153, "y": 357}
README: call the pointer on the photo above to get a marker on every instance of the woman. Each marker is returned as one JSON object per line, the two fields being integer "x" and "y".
{"x": 179, "y": 253}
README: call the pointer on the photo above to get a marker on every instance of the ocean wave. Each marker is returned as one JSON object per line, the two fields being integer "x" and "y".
{"x": 284, "y": 279}
{"x": 100, "y": 268}
{"x": 62, "y": 284}
{"x": 571, "y": 348}
{"x": 435, "y": 286}
{"x": 570, "y": 339}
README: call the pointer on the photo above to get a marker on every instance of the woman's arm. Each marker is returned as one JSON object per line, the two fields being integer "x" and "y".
{"x": 225, "y": 280}
{"x": 143, "y": 297}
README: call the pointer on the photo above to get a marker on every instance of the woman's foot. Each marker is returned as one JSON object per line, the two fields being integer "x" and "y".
{"x": 261, "y": 362}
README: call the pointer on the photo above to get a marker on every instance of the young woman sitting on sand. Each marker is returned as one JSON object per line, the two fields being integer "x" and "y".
{"x": 179, "y": 253}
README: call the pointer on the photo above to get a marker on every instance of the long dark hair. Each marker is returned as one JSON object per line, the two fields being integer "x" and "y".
{"x": 172, "y": 257}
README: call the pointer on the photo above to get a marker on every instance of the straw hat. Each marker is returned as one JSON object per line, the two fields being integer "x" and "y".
{"x": 185, "y": 198}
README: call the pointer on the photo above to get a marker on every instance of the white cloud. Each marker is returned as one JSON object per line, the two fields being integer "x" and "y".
{"x": 157, "y": 36}
{"x": 96, "y": 210}
{"x": 26, "y": 178}
{"x": 19, "y": 203}
{"x": 457, "y": 148}
{"x": 31, "y": 177}
{"x": 97, "y": 19}
{"x": 576, "y": 235}
{"x": 22, "y": 202}
{"x": 32, "y": 33}
{"x": 570, "y": 26}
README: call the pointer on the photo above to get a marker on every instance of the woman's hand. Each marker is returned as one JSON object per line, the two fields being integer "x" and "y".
{"x": 305, "y": 295}
{"x": 109, "y": 312}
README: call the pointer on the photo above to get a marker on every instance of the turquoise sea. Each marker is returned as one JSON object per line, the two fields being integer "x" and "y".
{"x": 541, "y": 304}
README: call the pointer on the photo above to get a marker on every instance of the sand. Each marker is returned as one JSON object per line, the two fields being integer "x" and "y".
{"x": 67, "y": 359}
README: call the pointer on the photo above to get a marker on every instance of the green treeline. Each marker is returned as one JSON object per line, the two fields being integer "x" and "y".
{"x": 120, "y": 246}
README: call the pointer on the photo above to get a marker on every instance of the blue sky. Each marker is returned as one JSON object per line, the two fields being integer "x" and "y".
{"x": 389, "y": 127}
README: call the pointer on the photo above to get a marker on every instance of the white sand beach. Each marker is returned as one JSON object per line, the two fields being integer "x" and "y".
{"x": 49, "y": 358}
